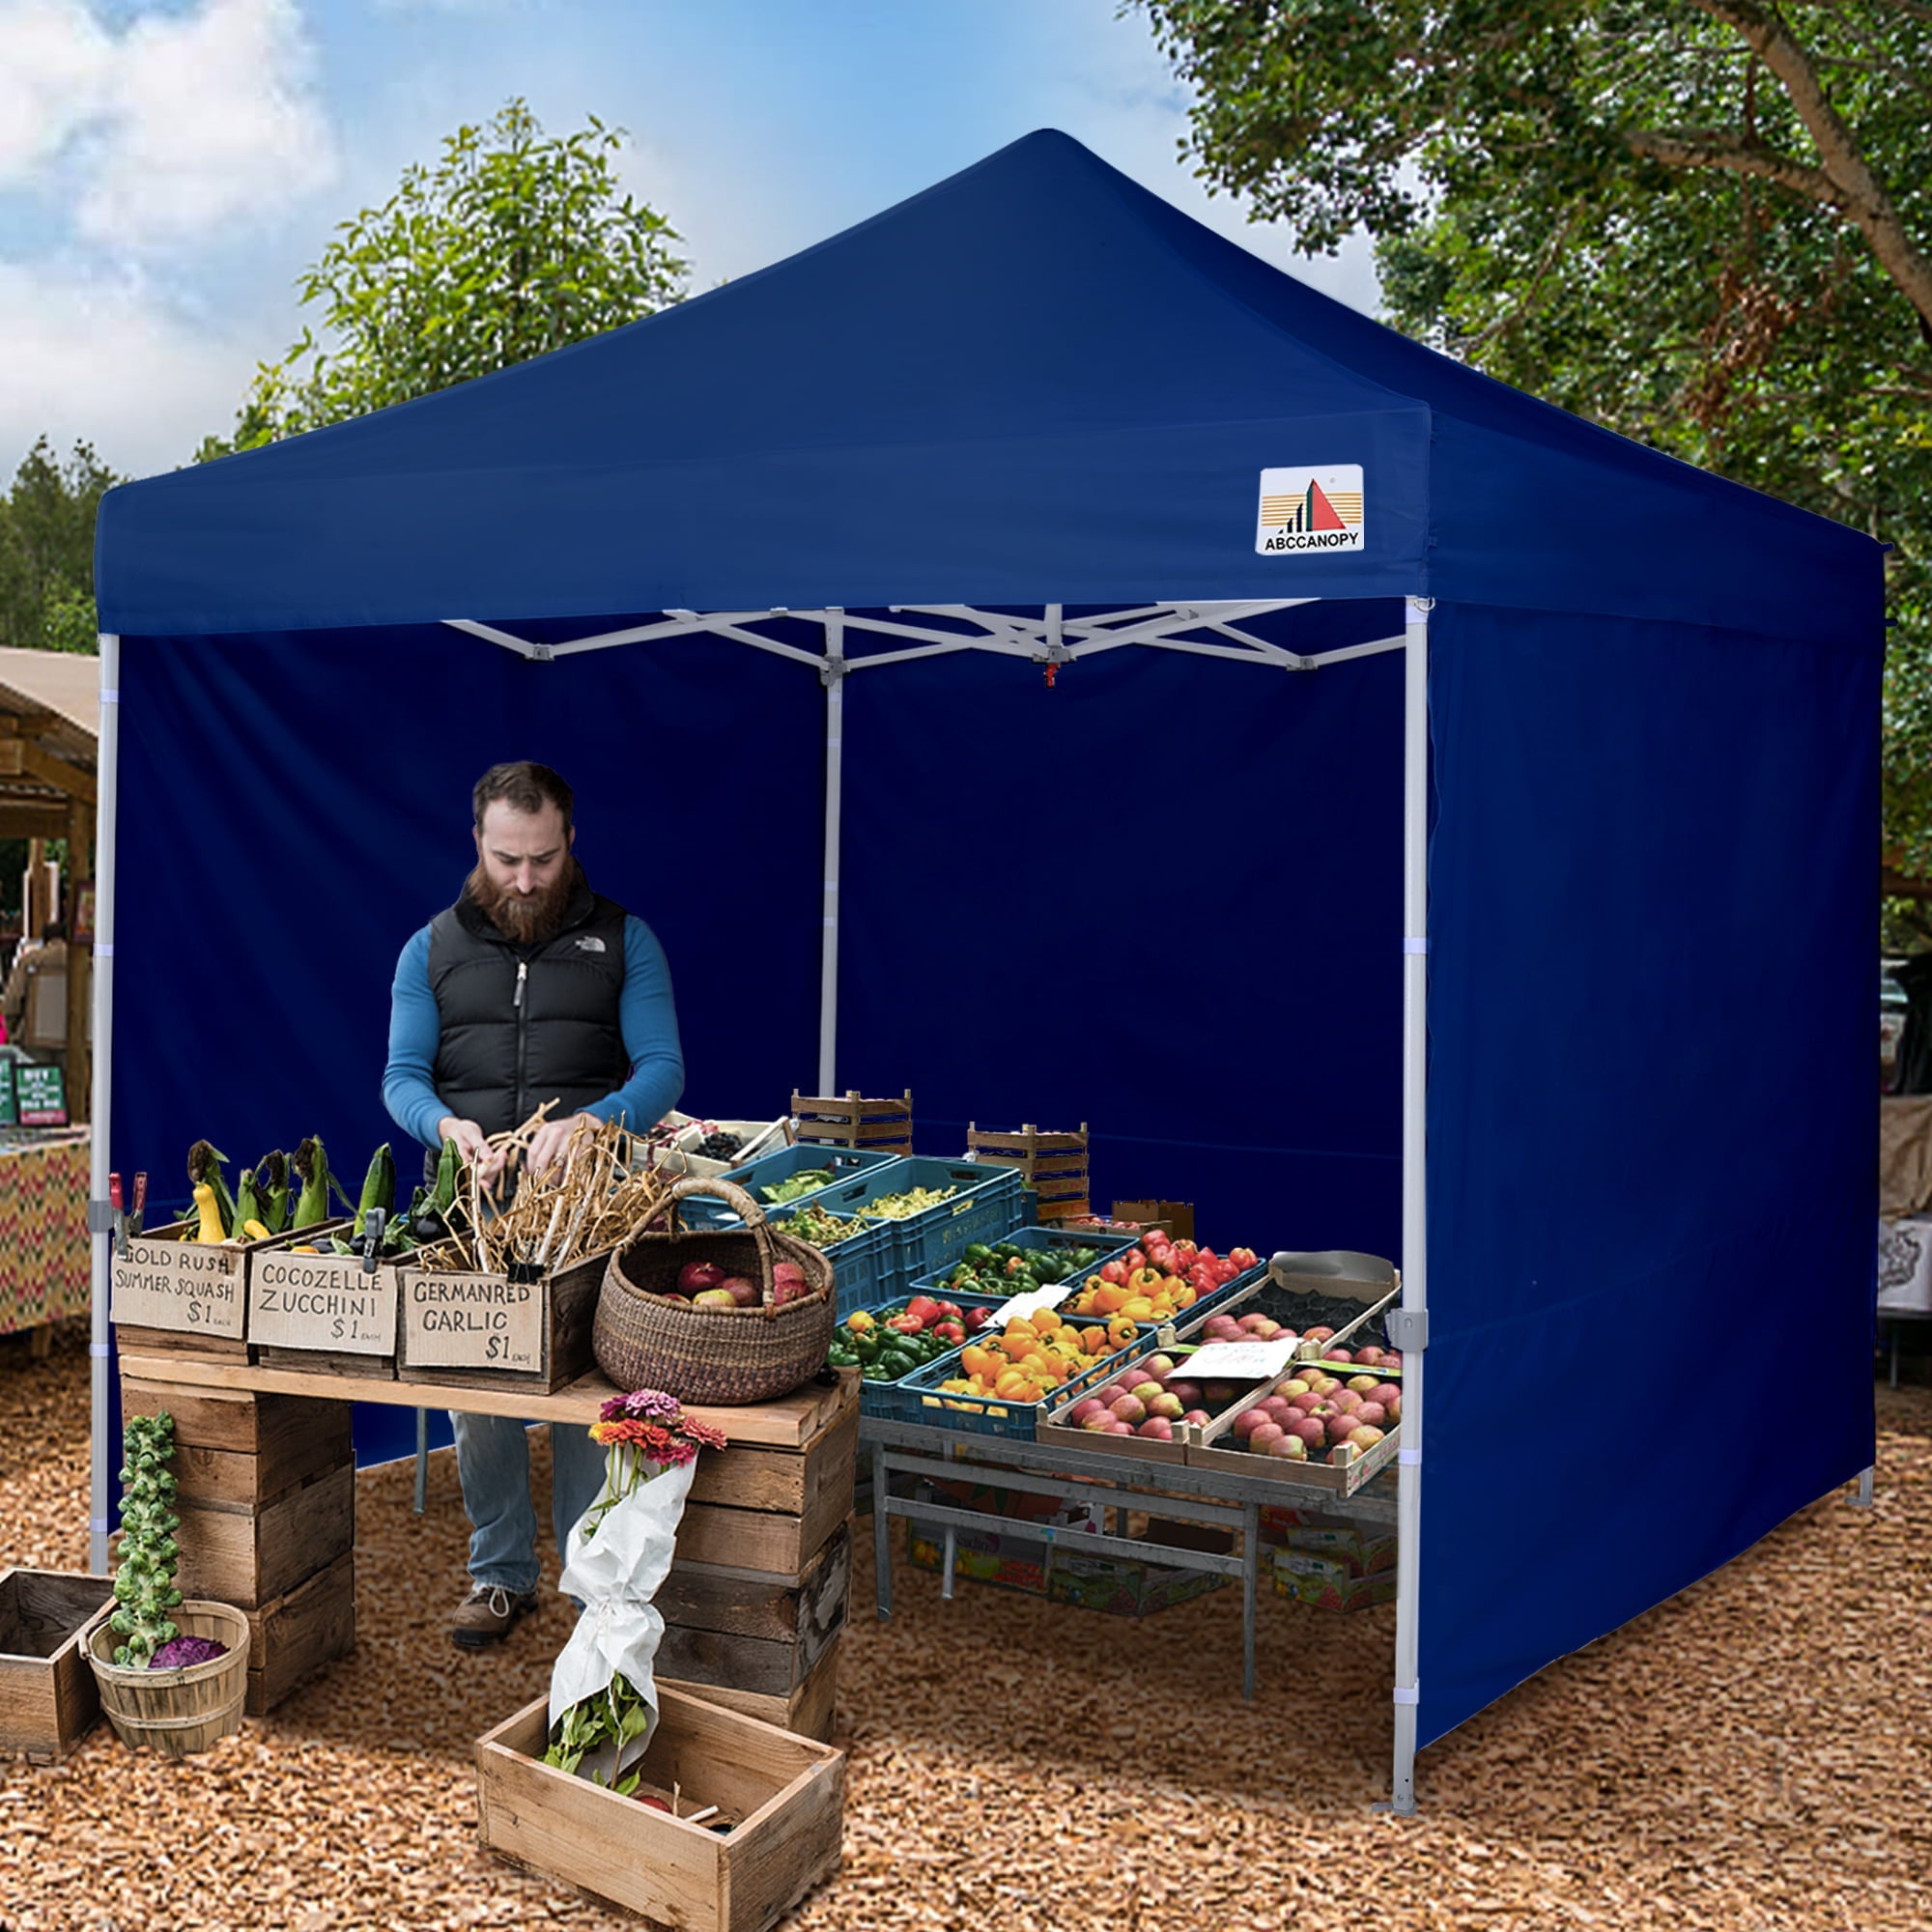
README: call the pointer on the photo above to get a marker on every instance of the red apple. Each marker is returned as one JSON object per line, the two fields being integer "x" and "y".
{"x": 1268, "y": 1432}
{"x": 743, "y": 1291}
{"x": 1251, "y": 1419}
{"x": 1290, "y": 1448}
{"x": 1371, "y": 1414}
{"x": 1309, "y": 1433}
{"x": 1129, "y": 1409}
{"x": 714, "y": 1297}
{"x": 1156, "y": 1429}
{"x": 694, "y": 1277}
{"x": 1199, "y": 1417}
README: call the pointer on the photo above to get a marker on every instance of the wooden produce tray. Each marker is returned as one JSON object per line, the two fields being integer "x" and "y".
{"x": 787, "y": 1791}
{"x": 1052, "y": 1165}
{"x": 885, "y": 1126}
{"x": 48, "y": 1701}
{"x": 1335, "y": 1479}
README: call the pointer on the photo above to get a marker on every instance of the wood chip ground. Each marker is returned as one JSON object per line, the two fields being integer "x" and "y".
{"x": 1752, "y": 1756}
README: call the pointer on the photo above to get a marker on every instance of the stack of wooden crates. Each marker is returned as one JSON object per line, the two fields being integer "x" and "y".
{"x": 755, "y": 1599}
{"x": 831, "y": 1120}
{"x": 268, "y": 1520}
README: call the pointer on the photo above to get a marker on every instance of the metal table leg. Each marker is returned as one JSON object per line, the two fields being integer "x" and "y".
{"x": 422, "y": 1461}
{"x": 882, "y": 1534}
{"x": 1251, "y": 1563}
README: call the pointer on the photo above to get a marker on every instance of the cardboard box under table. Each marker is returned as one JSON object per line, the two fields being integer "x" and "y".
{"x": 755, "y": 1601}
{"x": 782, "y": 1796}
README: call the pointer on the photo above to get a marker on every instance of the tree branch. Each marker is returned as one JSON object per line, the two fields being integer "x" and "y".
{"x": 1859, "y": 193}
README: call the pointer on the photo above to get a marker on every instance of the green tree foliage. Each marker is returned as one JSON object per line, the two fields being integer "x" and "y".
{"x": 514, "y": 243}
{"x": 46, "y": 550}
{"x": 1703, "y": 223}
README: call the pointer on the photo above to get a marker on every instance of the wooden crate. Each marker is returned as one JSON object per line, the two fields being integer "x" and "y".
{"x": 1054, "y": 1166}
{"x": 738, "y": 1628}
{"x": 48, "y": 1701}
{"x": 787, "y": 1791}
{"x": 238, "y": 1452}
{"x": 882, "y": 1127}
{"x": 809, "y": 1711}
{"x": 249, "y": 1557}
{"x": 775, "y": 1539}
{"x": 323, "y": 1312}
{"x": 487, "y": 1331}
{"x": 299, "y": 1633}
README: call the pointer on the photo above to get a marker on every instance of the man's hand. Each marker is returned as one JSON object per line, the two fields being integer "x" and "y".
{"x": 552, "y": 1138}
{"x": 473, "y": 1145}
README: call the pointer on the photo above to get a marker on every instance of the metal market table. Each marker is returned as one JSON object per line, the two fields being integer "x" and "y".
{"x": 1166, "y": 1490}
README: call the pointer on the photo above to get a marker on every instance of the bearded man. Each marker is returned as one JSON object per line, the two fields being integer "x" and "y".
{"x": 530, "y": 987}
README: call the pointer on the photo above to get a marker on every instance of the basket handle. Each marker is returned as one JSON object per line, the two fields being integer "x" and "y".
{"x": 749, "y": 1212}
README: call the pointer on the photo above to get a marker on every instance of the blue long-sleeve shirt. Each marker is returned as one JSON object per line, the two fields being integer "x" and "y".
{"x": 644, "y": 1011}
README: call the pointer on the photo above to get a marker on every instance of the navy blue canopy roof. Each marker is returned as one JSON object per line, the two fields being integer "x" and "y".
{"x": 1036, "y": 381}
{"x": 1163, "y": 896}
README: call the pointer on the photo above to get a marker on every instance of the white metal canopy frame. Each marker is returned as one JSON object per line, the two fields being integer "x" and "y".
{"x": 912, "y": 633}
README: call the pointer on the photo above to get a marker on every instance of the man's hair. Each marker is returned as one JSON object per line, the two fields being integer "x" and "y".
{"x": 522, "y": 786}
{"x": 54, "y": 928}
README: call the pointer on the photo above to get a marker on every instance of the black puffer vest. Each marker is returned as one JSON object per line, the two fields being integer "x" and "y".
{"x": 525, "y": 1024}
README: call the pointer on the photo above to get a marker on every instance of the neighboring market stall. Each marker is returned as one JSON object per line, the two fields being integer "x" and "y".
{"x": 1231, "y": 725}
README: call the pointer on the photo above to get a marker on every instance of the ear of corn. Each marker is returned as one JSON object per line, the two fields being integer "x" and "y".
{"x": 448, "y": 1171}
{"x": 378, "y": 1187}
{"x": 246, "y": 1206}
{"x": 311, "y": 1163}
{"x": 271, "y": 1190}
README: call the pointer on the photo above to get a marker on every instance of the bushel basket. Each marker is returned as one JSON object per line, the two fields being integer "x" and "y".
{"x": 646, "y": 1337}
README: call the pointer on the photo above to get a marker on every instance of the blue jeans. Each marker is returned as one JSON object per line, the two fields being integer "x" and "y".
{"x": 493, "y": 1460}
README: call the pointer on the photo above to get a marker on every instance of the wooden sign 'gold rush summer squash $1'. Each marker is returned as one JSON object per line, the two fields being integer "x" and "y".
{"x": 165, "y": 1281}
{"x": 473, "y": 1321}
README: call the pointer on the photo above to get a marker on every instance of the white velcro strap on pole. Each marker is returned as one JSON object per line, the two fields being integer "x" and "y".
{"x": 100, "y": 1350}
{"x": 97, "y": 1525}
{"x": 1411, "y": 1695}
{"x": 110, "y": 696}
{"x": 104, "y": 952}
{"x": 1413, "y": 1458}
{"x": 1410, "y": 945}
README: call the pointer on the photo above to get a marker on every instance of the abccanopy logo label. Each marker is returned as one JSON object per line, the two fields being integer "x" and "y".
{"x": 1306, "y": 508}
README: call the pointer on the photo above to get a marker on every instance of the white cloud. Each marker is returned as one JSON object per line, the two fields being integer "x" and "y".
{"x": 55, "y": 63}
{"x": 212, "y": 119}
{"x": 173, "y": 129}
{"x": 102, "y": 357}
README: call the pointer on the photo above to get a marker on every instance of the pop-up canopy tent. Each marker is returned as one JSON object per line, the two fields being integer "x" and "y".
{"x": 1027, "y": 650}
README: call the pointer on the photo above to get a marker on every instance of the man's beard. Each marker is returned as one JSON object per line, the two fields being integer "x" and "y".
{"x": 525, "y": 921}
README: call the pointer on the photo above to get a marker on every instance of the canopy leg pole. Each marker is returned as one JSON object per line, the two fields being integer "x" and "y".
{"x": 1414, "y": 1192}
{"x": 101, "y": 1097}
{"x": 833, "y": 673}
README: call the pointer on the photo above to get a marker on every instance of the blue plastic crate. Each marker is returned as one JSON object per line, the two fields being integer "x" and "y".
{"x": 768, "y": 1170}
{"x": 917, "y": 1397}
{"x": 860, "y": 1262}
{"x": 873, "y": 1394}
{"x": 985, "y": 1206}
{"x": 1106, "y": 1248}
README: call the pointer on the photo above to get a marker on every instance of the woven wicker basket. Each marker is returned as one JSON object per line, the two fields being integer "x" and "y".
{"x": 644, "y": 1338}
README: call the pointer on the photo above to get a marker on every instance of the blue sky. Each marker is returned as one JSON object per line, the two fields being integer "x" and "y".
{"x": 168, "y": 166}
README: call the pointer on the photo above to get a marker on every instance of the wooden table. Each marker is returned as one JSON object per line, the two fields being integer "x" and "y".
{"x": 755, "y": 1603}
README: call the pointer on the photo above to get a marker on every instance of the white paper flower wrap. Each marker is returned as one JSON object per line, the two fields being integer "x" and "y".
{"x": 615, "y": 1574}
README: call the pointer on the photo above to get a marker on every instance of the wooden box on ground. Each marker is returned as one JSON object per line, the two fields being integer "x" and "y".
{"x": 786, "y": 1792}
{"x": 884, "y": 1126}
{"x": 48, "y": 1697}
{"x": 324, "y": 1312}
{"x": 488, "y": 1331}
{"x": 1052, "y": 1166}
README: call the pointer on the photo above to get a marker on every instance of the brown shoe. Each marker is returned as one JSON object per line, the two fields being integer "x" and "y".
{"x": 487, "y": 1615}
